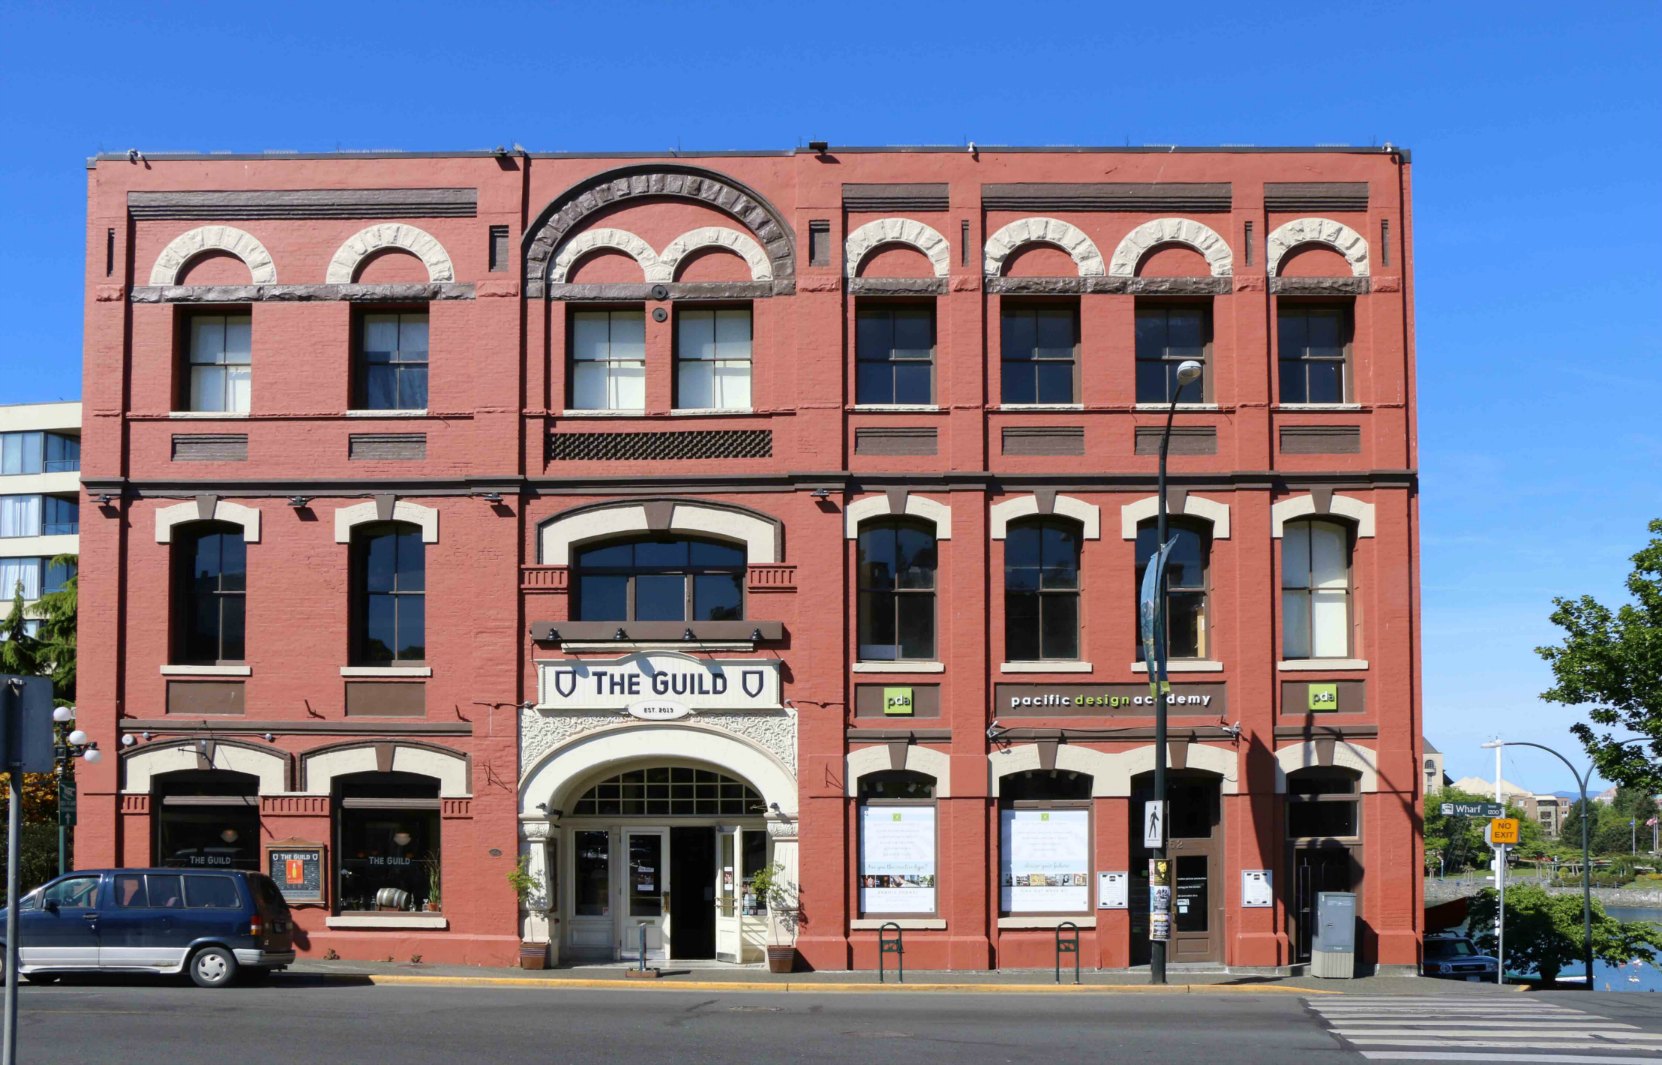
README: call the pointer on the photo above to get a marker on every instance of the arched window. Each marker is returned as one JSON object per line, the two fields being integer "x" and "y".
{"x": 896, "y": 591}
{"x": 662, "y": 578}
{"x": 210, "y": 572}
{"x": 1315, "y": 590}
{"x": 206, "y": 818}
{"x": 1187, "y": 566}
{"x": 1323, "y": 803}
{"x": 670, "y": 791}
{"x": 1041, "y": 590}
{"x": 897, "y": 844}
{"x": 387, "y": 836}
{"x": 390, "y": 593}
{"x": 1045, "y": 843}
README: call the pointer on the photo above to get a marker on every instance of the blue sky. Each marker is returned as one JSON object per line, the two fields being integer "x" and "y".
{"x": 1537, "y": 138}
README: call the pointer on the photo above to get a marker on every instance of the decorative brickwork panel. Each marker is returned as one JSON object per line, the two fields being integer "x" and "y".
{"x": 1302, "y": 196}
{"x": 383, "y": 446}
{"x": 211, "y": 447}
{"x": 294, "y": 806}
{"x": 200, "y": 698}
{"x": 372, "y": 698}
{"x": 770, "y": 579}
{"x": 136, "y": 804}
{"x": 1321, "y": 440}
{"x": 896, "y": 440}
{"x": 893, "y": 197}
{"x": 545, "y": 578}
{"x": 1044, "y": 440}
{"x": 1108, "y": 196}
{"x": 455, "y": 807}
{"x": 1185, "y": 440}
{"x": 661, "y": 447}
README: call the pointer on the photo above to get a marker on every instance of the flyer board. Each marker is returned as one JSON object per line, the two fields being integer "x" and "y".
{"x": 897, "y": 859}
{"x": 1046, "y": 861}
{"x": 297, "y": 868}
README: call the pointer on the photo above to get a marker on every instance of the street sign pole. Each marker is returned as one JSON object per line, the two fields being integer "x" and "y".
{"x": 25, "y": 747}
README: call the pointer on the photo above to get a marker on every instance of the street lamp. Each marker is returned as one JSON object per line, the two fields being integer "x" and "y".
{"x": 68, "y": 746}
{"x": 1188, "y": 372}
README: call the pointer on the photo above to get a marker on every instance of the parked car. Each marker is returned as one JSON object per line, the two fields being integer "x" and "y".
{"x": 1456, "y": 958}
{"x": 211, "y": 924}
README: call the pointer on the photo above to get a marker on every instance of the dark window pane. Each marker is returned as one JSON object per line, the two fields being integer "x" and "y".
{"x": 705, "y": 554}
{"x": 914, "y": 333}
{"x": 878, "y": 556}
{"x": 412, "y": 627}
{"x": 912, "y": 383}
{"x": 380, "y": 562}
{"x": 1190, "y": 900}
{"x": 1021, "y": 627}
{"x": 412, "y": 388}
{"x": 1022, "y": 545}
{"x": 1293, "y": 335}
{"x": 1056, "y": 331}
{"x": 718, "y": 597}
{"x": 1060, "y": 618}
{"x": 1292, "y": 381}
{"x": 660, "y": 597}
{"x": 1151, "y": 334}
{"x": 1327, "y": 382}
{"x": 1193, "y": 392}
{"x": 1055, "y": 382}
{"x": 917, "y": 558}
{"x": 1021, "y": 578}
{"x": 380, "y": 627}
{"x": 607, "y": 557}
{"x": 602, "y": 598}
{"x": 1306, "y": 819}
{"x": 874, "y": 383}
{"x": 233, "y": 562}
{"x": 412, "y": 562}
{"x": 874, "y": 336}
{"x": 232, "y": 609}
{"x": 1018, "y": 383}
{"x": 1185, "y": 334}
{"x": 380, "y": 388}
{"x": 916, "y": 626}
{"x": 661, "y": 554}
{"x": 1018, "y": 338}
{"x": 877, "y": 633}
{"x": 1326, "y": 335}
{"x": 1151, "y": 383}
{"x": 1185, "y": 614}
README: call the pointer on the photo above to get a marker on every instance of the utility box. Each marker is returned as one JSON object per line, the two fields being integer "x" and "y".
{"x": 1333, "y": 954}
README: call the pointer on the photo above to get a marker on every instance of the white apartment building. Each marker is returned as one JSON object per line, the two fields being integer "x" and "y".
{"x": 40, "y": 488}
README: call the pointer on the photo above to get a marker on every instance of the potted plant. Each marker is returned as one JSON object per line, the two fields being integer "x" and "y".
{"x": 769, "y": 885}
{"x": 531, "y": 955}
{"x": 433, "y": 905}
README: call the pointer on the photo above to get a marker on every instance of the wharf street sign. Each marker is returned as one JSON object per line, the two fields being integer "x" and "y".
{"x": 1489, "y": 810}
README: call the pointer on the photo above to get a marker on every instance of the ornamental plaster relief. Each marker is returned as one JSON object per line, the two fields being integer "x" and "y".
{"x": 1345, "y": 240}
{"x": 343, "y": 267}
{"x": 191, "y": 243}
{"x": 1150, "y": 235}
{"x": 541, "y": 733}
{"x": 1023, "y": 231}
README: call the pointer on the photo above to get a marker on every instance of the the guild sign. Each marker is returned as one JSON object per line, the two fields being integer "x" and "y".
{"x": 565, "y": 682}
{"x": 752, "y": 681}
{"x": 658, "y": 710}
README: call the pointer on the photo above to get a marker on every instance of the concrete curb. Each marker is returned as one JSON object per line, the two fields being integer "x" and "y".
{"x": 395, "y": 979}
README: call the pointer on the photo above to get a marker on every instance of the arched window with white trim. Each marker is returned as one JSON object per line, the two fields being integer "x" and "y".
{"x": 1188, "y": 585}
{"x": 1041, "y": 590}
{"x": 896, "y": 595}
{"x": 898, "y": 844}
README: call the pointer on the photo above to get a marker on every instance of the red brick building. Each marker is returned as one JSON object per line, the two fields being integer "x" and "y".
{"x": 654, "y": 519}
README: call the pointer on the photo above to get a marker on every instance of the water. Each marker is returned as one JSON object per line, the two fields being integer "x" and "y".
{"x": 1646, "y": 976}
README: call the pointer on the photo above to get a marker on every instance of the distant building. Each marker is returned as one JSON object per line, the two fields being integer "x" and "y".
{"x": 1549, "y": 810}
{"x": 1432, "y": 767}
{"x": 40, "y": 484}
{"x": 1510, "y": 792}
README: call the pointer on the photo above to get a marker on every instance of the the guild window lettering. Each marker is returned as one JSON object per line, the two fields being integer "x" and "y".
{"x": 712, "y": 359}
{"x": 1041, "y": 590}
{"x": 388, "y": 837}
{"x": 1045, "y": 843}
{"x": 608, "y": 360}
{"x": 390, "y": 586}
{"x": 1167, "y": 336}
{"x": 660, "y": 579}
{"x": 1187, "y": 628}
{"x": 895, "y": 355}
{"x": 392, "y": 361}
{"x": 896, "y": 573}
{"x": 1315, "y": 590}
{"x": 1323, "y": 803}
{"x": 1313, "y": 344}
{"x": 220, "y": 363}
{"x": 211, "y": 574}
{"x": 39, "y": 452}
{"x": 1040, "y": 346}
{"x": 898, "y": 844}
{"x": 205, "y": 819}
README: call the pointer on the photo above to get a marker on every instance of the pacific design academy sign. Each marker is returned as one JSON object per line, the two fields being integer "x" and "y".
{"x": 694, "y": 683}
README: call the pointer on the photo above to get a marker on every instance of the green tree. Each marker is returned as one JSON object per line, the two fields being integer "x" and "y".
{"x": 1570, "y": 834}
{"x": 19, "y": 652}
{"x": 1460, "y": 839}
{"x": 1544, "y": 932}
{"x": 1611, "y": 662}
{"x": 55, "y": 649}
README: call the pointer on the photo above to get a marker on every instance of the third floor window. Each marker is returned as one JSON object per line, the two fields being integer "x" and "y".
{"x": 1314, "y": 345}
{"x": 712, "y": 359}
{"x": 895, "y": 355}
{"x": 392, "y": 362}
{"x": 608, "y": 360}
{"x": 39, "y": 452}
{"x": 1040, "y": 354}
{"x": 660, "y": 579}
{"x": 220, "y": 359}
{"x": 1166, "y": 337}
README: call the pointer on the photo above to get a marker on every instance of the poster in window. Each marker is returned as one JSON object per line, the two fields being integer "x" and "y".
{"x": 897, "y": 859}
{"x": 296, "y": 867}
{"x": 1046, "y": 861}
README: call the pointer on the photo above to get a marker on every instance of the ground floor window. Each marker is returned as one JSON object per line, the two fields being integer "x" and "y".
{"x": 897, "y": 844}
{"x": 1045, "y": 843}
{"x": 207, "y": 819}
{"x": 387, "y": 832}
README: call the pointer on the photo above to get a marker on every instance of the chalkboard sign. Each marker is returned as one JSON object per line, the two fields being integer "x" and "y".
{"x": 297, "y": 868}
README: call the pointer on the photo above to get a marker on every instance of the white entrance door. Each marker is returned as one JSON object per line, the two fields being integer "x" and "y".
{"x": 645, "y": 894}
{"x": 729, "y": 882}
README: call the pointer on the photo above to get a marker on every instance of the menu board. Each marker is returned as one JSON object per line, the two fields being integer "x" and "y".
{"x": 1046, "y": 861}
{"x": 897, "y": 859}
{"x": 297, "y": 869}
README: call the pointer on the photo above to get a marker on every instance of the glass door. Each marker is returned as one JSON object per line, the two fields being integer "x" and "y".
{"x": 729, "y": 886}
{"x": 646, "y": 894}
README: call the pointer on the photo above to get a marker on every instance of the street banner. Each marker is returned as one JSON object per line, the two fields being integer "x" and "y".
{"x": 1150, "y": 616}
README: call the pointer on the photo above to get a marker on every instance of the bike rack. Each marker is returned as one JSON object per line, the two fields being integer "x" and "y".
{"x": 1067, "y": 946}
{"x": 887, "y": 944}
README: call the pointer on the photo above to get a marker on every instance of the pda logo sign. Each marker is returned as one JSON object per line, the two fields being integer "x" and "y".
{"x": 897, "y": 702}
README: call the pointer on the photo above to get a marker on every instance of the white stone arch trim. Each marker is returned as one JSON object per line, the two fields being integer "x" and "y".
{"x": 319, "y": 768}
{"x": 348, "y": 518}
{"x": 1357, "y": 511}
{"x": 916, "y": 507}
{"x": 595, "y": 239}
{"x": 140, "y": 767}
{"x": 919, "y": 759}
{"x": 1065, "y": 235}
{"x": 1022, "y": 757}
{"x": 1088, "y": 515}
{"x": 343, "y": 267}
{"x": 557, "y": 536}
{"x": 870, "y": 236}
{"x": 1224, "y": 761}
{"x": 1141, "y": 510}
{"x": 577, "y": 763}
{"x": 231, "y": 513}
{"x": 1343, "y": 239}
{"x": 1150, "y": 235}
{"x": 669, "y": 260}
{"x": 193, "y": 242}
{"x": 1361, "y": 760}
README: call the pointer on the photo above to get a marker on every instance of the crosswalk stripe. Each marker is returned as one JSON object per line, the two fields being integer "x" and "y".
{"x": 1466, "y": 1033}
{"x": 1458, "y": 1011}
{"x": 1556, "y": 1044}
{"x": 1478, "y": 1030}
{"x": 1459, "y": 1025}
{"x": 1561, "y": 1059}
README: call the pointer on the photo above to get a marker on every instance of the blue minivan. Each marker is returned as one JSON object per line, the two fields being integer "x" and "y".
{"x": 211, "y": 924}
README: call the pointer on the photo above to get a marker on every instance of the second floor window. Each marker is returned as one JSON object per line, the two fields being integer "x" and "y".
{"x": 392, "y": 362}
{"x": 1187, "y": 633}
{"x": 608, "y": 360}
{"x": 39, "y": 452}
{"x": 211, "y": 575}
{"x": 896, "y": 574}
{"x": 662, "y": 579}
{"x": 1041, "y": 591}
{"x": 220, "y": 362}
{"x": 390, "y": 586}
{"x": 20, "y": 515}
{"x": 895, "y": 355}
{"x": 1313, "y": 343}
{"x": 63, "y": 517}
{"x": 1040, "y": 353}
{"x": 1166, "y": 336}
{"x": 712, "y": 359}
{"x": 1315, "y": 590}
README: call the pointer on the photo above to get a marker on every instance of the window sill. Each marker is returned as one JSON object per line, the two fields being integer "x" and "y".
{"x": 916, "y": 924}
{"x": 708, "y": 412}
{"x": 632, "y": 413}
{"x": 391, "y": 920}
{"x": 1045, "y": 667}
{"x": 387, "y": 413}
{"x": 908, "y": 666}
{"x": 1317, "y": 406}
{"x": 207, "y": 671}
{"x": 1183, "y": 665}
{"x": 892, "y": 408}
{"x": 1321, "y": 665}
{"x": 1039, "y": 406}
{"x": 386, "y": 671}
{"x": 1021, "y": 921}
{"x": 1180, "y": 406}
{"x": 188, "y": 415}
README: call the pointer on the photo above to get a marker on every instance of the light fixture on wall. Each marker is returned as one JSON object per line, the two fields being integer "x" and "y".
{"x": 300, "y": 502}
{"x": 491, "y": 497}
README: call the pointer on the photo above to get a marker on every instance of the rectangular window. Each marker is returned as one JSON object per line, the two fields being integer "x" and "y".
{"x": 215, "y": 831}
{"x": 712, "y": 359}
{"x": 590, "y": 882}
{"x": 1040, "y": 353}
{"x": 63, "y": 517}
{"x": 1313, "y": 346}
{"x": 22, "y": 453}
{"x": 897, "y": 859}
{"x": 1045, "y": 860}
{"x": 895, "y": 355}
{"x": 19, "y": 576}
{"x": 391, "y": 586}
{"x": 1041, "y": 591}
{"x": 608, "y": 360}
{"x": 498, "y": 249}
{"x": 392, "y": 361}
{"x": 220, "y": 362}
{"x": 20, "y": 515}
{"x": 1315, "y": 590}
{"x": 819, "y": 243}
{"x": 389, "y": 856}
{"x": 56, "y": 576}
{"x": 1186, "y": 587}
{"x": 1167, "y": 336}
{"x": 896, "y": 574}
{"x": 63, "y": 453}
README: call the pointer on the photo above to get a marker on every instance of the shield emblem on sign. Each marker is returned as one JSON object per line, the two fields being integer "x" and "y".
{"x": 752, "y": 681}
{"x": 565, "y": 682}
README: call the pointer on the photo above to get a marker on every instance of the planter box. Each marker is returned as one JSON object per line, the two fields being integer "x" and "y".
{"x": 781, "y": 959}
{"x": 533, "y": 955}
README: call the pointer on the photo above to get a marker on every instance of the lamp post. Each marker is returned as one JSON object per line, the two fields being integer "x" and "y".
{"x": 69, "y": 744}
{"x": 1188, "y": 372}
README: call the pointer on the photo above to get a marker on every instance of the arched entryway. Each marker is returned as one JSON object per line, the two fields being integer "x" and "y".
{"x": 1195, "y": 844}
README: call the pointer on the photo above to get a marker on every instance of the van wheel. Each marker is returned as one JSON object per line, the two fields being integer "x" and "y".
{"x": 213, "y": 967}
